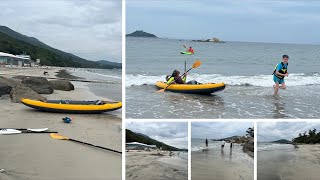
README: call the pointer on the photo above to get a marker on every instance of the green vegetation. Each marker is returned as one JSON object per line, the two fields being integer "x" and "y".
{"x": 141, "y": 138}
{"x": 16, "y": 43}
{"x": 311, "y": 138}
{"x": 141, "y": 34}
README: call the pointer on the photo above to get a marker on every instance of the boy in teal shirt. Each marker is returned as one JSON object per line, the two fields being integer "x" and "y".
{"x": 279, "y": 73}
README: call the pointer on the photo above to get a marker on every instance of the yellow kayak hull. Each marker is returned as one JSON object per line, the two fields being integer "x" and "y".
{"x": 207, "y": 88}
{"x": 78, "y": 107}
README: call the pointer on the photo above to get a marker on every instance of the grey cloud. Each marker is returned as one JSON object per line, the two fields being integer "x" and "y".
{"x": 89, "y": 29}
{"x": 218, "y": 129}
{"x": 270, "y": 131}
{"x": 171, "y": 133}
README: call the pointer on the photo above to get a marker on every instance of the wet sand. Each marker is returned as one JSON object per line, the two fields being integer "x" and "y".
{"x": 147, "y": 166}
{"x": 222, "y": 164}
{"x": 39, "y": 157}
{"x": 290, "y": 164}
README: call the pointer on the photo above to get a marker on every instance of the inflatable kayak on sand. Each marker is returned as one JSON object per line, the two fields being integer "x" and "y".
{"x": 207, "y": 88}
{"x": 78, "y": 107}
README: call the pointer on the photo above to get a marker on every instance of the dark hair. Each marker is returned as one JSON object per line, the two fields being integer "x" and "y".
{"x": 175, "y": 73}
{"x": 285, "y": 56}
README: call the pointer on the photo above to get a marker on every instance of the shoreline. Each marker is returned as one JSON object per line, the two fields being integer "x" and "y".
{"x": 294, "y": 163}
{"x": 155, "y": 165}
{"x": 34, "y": 156}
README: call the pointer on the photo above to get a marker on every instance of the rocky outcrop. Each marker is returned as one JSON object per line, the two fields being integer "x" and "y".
{"x": 215, "y": 40}
{"x": 9, "y": 82}
{"x": 22, "y": 91}
{"x": 63, "y": 85}
{"x": 248, "y": 147}
{"x": 39, "y": 84}
{"x": 4, "y": 89}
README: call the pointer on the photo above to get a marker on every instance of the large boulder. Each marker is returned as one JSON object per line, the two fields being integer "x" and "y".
{"x": 39, "y": 84}
{"x": 9, "y": 81}
{"x": 4, "y": 89}
{"x": 22, "y": 91}
{"x": 63, "y": 85}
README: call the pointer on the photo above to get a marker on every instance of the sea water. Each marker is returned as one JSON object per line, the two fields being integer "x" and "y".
{"x": 106, "y": 83}
{"x": 244, "y": 67}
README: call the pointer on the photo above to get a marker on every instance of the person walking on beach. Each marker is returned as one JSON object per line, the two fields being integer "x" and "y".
{"x": 222, "y": 144}
{"x": 279, "y": 73}
{"x": 207, "y": 143}
{"x": 231, "y": 144}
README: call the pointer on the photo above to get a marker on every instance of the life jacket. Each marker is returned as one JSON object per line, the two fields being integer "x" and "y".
{"x": 283, "y": 70}
{"x": 178, "y": 81}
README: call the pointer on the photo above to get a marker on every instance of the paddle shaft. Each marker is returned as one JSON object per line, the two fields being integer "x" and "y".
{"x": 95, "y": 146}
{"x": 39, "y": 132}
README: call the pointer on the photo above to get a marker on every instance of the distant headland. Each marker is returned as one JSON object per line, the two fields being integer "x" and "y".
{"x": 215, "y": 40}
{"x": 141, "y": 33}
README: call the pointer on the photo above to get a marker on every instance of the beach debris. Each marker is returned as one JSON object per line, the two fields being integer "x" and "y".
{"x": 2, "y": 171}
{"x": 66, "y": 119}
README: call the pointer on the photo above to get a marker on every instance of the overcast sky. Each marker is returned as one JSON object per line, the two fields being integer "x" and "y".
{"x": 216, "y": 130}
{"x": 171, "y": 133}
{"x": 284, "y": 21}
{"x": 90, "y": 29}
{"x": 272, "y": 131}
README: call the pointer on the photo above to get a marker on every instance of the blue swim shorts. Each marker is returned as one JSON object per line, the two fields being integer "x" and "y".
{"x": 276, "y": 79}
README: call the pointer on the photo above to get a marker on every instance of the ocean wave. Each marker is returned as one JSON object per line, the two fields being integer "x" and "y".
{"x": 298, "y": 79}
{"x": 274, "y": 146}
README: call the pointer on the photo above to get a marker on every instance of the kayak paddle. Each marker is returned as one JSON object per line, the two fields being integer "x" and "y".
{"x": 15, "y": 131}
{"x": 195, "y": 65}
{"x": 58, "y": 136}
{"x": 35, "y": 130}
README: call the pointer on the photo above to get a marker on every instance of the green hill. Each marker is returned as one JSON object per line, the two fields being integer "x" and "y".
{"x": 141, "y": 34}
{"x": 282, "y": 141}
{"x": 15, "y": 43}
{"x": 141, "y": 138}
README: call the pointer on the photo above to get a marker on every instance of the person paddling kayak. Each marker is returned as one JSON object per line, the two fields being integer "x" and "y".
{"x": 176, "y": 79}
{"x": 190, "y": 50}
{"x": 279, "y": 73}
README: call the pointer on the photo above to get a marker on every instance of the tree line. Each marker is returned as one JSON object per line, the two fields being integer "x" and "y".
{"x": 312, "y": 137}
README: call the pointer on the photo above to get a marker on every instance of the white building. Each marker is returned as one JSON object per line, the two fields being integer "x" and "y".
{"x": 16, "y": 60}
{"x": 139, "y": 146}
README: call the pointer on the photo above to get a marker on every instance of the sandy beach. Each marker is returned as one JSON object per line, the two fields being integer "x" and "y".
{"x": 149, "y": 166}
{"x": 287, "y": 163}
{"x": 225, "y": 164}
{"x": 38, "y": 156}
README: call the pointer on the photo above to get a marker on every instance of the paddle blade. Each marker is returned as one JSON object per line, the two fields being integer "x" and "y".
{"x": 58, "y": 136}
{"x": 161, "y": 90}
{"x": 9, "y": 131}
{"x": 38, "y": 130}
{"x": 196, "y": 64}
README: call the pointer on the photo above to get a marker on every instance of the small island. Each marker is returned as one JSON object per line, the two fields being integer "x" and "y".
{"x": 215, "y": 40}
{"x": 141, "y": 33}
{"x": 282, "y": 141}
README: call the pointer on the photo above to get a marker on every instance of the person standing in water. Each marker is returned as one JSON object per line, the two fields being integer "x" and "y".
{"x": 222, "y": 144}
{"x": 207, "y": 143}
{"x": 279, "y": 73}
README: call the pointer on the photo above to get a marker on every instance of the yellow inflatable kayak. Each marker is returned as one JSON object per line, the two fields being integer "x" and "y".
{"x": 66, "y": 106}
{"x": 207, "y": 88}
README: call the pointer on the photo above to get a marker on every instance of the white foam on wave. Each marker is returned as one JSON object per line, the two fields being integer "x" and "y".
{"x": 274, "y": 146}
{"x": 260, "y": 80}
